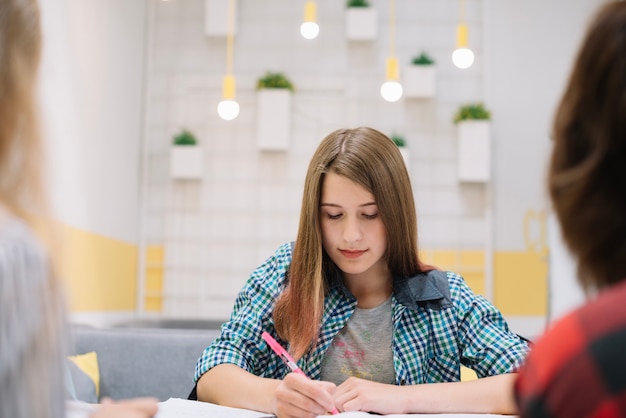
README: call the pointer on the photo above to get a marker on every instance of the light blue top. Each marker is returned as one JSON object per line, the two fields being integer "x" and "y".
{"x": 438, "y": 324}
{"x": 32, "y": 326}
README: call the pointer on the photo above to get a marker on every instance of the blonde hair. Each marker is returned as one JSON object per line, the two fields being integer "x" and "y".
{"x": 20, "y": 148}
{"x": 370, "y": 159}
{"x": 32, "y": 327}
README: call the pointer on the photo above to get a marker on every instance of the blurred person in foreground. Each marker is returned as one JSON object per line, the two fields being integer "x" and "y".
{"x": 578, "y": 368}
{"x": 33, "y": 330}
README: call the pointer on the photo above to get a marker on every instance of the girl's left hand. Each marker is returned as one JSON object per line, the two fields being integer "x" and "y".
{"x": 363, "y": 395}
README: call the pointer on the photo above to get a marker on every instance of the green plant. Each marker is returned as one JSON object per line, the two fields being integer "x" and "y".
{"x": 472, "y": 111}
{"x": 398, "y": 140}
{"x": 357, "y": 3}
{"x": 423, "y": 59}
{"x": 274, "y": 80}
{"x": 185, "y": 138}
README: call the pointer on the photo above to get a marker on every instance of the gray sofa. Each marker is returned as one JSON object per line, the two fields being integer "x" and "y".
{"x": 144, "y": 361}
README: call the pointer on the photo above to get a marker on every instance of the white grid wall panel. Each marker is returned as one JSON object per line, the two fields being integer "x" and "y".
{"x": 215, "y": 231}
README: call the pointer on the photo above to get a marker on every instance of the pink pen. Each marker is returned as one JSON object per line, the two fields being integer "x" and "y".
{"x": 287, "y": 359}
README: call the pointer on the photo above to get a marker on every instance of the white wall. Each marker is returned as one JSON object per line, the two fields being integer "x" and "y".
{"x": 532, "y": 45}
{"x": 92, "y": 94}
{"x": 531, "y": 49}
{"x": 217, "y": 230}
{"x": 565, "y": 293}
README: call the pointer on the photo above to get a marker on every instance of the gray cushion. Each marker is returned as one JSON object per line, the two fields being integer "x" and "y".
{"x": 144, "y": 362}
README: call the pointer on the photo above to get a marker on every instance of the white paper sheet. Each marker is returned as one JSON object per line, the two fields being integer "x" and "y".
{"x": 182, "y": 408}
{"x": 365, "y": 414}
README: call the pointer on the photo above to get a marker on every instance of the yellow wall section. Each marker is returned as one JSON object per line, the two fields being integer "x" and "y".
{"x": 520, "y": 278}
{"x": 154, "y": 278}
{"x": 100, "y": 272}
{"x": 469, "y": 263}
{"x": 521, "y": 283}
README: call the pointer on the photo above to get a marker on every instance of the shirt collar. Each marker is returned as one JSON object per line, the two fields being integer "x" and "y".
{"x": 429, "y": 289}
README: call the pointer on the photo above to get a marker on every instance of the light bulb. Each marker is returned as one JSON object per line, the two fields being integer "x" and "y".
{"x": 391, "y": 90}
{"x": 228, "y": 109}
{"x": 463, "y": 58}
{"x": 309, "y": 30}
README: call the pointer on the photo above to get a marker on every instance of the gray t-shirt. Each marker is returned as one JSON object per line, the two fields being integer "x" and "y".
{"x": 362, "y": 348}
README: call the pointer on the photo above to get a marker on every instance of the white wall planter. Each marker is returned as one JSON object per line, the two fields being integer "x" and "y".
{"x": 216, "y": 18}
{"x": 186, "y": 162}
{"x": 474, "y": 150}
{"x": 273, "y": 119}
{"x": 361, "y": 23}
{"x": 419, "y": 81}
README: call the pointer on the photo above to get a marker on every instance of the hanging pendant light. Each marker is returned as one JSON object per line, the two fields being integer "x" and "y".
{"x": 309, "y": 28}
{"x": 391, "y": 89}
{"x": 462, "y": 57}
{"x": 228, "y": 108}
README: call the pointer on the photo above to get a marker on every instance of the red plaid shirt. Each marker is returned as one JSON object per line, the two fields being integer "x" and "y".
{"x": 578, "y": 368}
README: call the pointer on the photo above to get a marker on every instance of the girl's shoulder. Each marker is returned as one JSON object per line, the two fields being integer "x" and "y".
{"x": 281, "y": 257}
{"x": 272, "y": 272}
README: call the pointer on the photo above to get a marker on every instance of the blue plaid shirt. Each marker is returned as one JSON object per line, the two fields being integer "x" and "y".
{"x": 439, "y": 324}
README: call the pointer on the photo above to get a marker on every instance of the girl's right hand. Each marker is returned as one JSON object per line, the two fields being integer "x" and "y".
{"x": 299, "y": 397}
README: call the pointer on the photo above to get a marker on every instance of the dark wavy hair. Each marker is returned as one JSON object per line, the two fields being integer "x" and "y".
{"x": 587, "y": 173}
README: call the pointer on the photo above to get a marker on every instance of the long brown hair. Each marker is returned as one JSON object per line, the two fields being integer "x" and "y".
{"x": 587, "y": 174}
{"x": 370, "y": 159}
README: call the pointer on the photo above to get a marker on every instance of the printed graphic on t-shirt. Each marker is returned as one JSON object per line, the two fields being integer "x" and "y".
{"x": 362, "y": 348}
